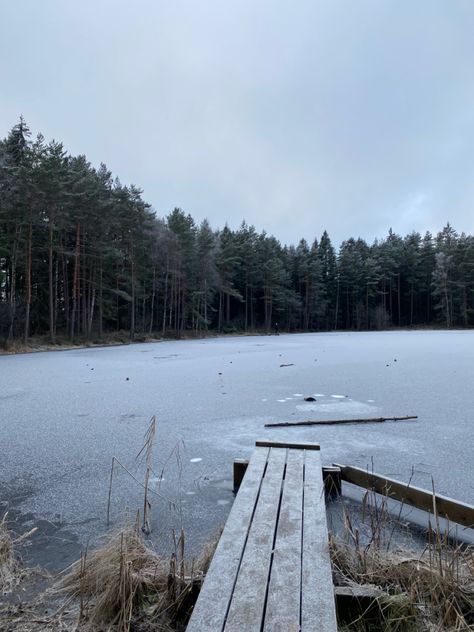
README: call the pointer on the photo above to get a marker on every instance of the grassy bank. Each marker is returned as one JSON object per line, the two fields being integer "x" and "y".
{"x": 43, "y": 343}
{"x": 62, "y": 343}
{"x": 125, "y": 586}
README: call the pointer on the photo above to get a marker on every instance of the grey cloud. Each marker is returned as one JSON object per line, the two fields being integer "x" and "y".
{"x": 347, "y": 116}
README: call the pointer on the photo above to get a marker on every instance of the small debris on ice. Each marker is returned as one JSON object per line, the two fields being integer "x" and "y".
{"x": 290, "y": 364}
{"x": 156, "y": 481}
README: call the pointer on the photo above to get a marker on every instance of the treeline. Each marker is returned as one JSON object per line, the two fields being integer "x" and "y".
{"x": 82, "y": 255}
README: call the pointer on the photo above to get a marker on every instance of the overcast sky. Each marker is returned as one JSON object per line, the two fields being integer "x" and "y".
{"x": 347, "y": 115}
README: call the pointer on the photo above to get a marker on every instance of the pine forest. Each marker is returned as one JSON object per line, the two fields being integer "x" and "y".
{"x": 82, "y": 256}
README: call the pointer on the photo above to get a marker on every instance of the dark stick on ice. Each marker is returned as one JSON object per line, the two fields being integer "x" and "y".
{"x": 329, "y": 422}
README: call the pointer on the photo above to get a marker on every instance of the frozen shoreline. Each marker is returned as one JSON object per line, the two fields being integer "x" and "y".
{"x": 63, "y": 417}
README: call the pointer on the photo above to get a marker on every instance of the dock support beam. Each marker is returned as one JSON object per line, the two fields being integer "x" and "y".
{"x": 436, "y": 504}
{"x": 240, "y": 467}
{"x": 332, "y": 481}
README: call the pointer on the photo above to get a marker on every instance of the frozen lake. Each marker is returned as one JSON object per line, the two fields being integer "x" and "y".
{"x": 64, "y": 415}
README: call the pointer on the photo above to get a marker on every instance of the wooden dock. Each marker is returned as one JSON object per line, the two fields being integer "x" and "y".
{"x": 271, "y": 570}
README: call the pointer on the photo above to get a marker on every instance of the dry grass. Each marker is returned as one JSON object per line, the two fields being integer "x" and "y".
{"x": 125, "y": 583}
{"x": 11, "y": 571}
{"x": 426, "y": 591}
{"x": 8, "y": 564}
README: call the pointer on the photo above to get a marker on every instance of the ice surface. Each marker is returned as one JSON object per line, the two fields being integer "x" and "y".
{"x": 61, "y": 423}
{"x": 347, "y": 408}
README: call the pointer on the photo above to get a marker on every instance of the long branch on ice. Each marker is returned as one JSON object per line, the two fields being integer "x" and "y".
{"x": 329, "y": 422}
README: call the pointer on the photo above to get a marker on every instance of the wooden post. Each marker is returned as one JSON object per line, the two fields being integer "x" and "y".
{"x": 355, "y": 603}
{"x": 240, "y": 467}
{"x": 332, "y": 481}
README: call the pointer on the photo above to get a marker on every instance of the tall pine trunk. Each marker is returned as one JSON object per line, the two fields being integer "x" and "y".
{"x": 399, "y": 301}
{"x": 28, "y": 281}
{"x": 152, "y": 305}
{"x": 336, "y": 311}
{"x": 50, "y": 282}
{"x": 13, "y": 264}
{"x": 132, "y": 307}
{"x": 101, "y": 297}
{"x": 75, "y": 282}
{"x": 165, "y": 297}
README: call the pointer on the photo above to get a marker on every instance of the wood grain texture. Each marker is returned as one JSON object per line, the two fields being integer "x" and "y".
{"x": 213, "y": 603}
{"x": 284, "y": 590}
{"x": 318, "y": 611}
{"x": 286, "y": 444}
{"x": 453, "y": 510}
{"x": 331, "y": 422}
{"x": 271, "y": 570}
{"x": 248, "y": 601}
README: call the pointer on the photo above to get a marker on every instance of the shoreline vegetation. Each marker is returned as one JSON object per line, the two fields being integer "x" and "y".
{"x": 38, "y": 344}
{"x": 384, "y": 578}
{"x": 124, "y": 585}
{"x": 83, "y": 256}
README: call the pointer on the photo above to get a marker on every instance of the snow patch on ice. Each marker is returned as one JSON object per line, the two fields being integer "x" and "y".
{"x": 222, "y": 501}
{"x": 156, "y": 481}
{"x": 338, "y": 396}
{"x": 281, "y": 400}
{"x": 297, "y": 394}
{"x": 347, "y": 407}
{"x": 195, "y": 460}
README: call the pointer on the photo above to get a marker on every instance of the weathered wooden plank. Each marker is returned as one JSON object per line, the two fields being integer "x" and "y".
{"x": 248, "y": 600}
{"x": 455, "y": 511}
{"x": 284, "y": 590}
{"x": 213, "y": 603}
{"x": 294, "y": 446}
{"x": 318, "y": 610}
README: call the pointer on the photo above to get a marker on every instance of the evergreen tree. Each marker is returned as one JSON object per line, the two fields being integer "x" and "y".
{"x": 81, "y": 254}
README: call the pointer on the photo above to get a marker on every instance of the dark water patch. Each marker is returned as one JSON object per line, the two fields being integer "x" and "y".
{"x": 47, "y": 547}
